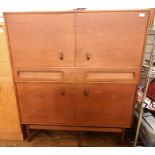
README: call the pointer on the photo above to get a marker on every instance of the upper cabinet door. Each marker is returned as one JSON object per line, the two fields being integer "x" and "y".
{"x": 41, "y": 39}
{"x": 110, "y": 39}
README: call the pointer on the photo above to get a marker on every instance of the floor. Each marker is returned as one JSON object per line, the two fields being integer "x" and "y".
{"x": 72, "y": 139}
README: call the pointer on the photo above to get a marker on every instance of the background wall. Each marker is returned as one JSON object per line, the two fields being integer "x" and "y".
{"x": 36, "y": 5}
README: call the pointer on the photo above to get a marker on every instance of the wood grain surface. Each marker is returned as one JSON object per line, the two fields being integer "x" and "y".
{"x": 110, "y": 39}
{"x": 41, "y": 40}
{"x": 46, "y": 103}
{"x": 9, "y": 117}
{"x": 104, "y": 105}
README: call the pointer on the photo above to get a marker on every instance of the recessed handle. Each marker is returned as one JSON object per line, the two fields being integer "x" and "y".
{"x": 88, "y": 55}
{"x": 86, "y": 92}
{"x": 61, "y": 55}
{"x": 62, "y": 91}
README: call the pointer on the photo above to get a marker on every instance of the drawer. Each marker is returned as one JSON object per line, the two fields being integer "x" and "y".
{"x": 5, "y": 69}
{"x": 46, "y": 103}
{"x": 104, "y": 105}
{"x": 48, "y": 42}
{"x": 3, "y": 45}
{"x": 106, "y": 75}
{"x": 53, "y": 74}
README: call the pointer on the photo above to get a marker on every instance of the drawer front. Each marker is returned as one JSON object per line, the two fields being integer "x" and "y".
{"x": 107, "y": 75}
{"x": 53, "y": 74}
{"x": 110, "y": 39}
{"x": 104, "y": 105}
{"x": 41, "y": 39}
{"x": 3, "y": 45}
{"x": 46, "y": 103}
{"x": 5, "y": 70}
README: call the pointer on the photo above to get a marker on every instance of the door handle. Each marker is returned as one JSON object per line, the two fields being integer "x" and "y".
{"x": 86, "y": 92}
{"x": 62, "y": 91}
{"x": 61, "y": 56}
{"x": 88, "y": 55}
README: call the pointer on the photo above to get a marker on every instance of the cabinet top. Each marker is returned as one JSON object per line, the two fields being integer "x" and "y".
{"x": 78, "y": 10}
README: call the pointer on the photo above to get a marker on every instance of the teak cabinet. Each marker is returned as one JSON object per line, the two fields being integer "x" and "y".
{"x": 77, "y": 70}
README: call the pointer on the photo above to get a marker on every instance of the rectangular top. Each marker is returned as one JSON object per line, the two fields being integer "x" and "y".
{"x": 78, "y": 11}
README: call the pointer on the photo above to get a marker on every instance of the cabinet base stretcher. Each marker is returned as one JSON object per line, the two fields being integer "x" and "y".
{"x": 31, "y": 135}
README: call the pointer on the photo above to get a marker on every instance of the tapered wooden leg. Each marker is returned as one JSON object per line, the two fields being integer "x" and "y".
{"x": 122, "y": 136}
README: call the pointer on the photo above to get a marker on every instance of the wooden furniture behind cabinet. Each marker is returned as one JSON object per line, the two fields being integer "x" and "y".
{"x": 9, "y": 118}
{"x": 77, "y": 70}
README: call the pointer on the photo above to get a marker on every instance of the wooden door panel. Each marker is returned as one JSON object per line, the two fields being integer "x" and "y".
{"x": 104, "y": 105}
{"x": 41, "y": 39}
{"x": 46, "y": 103}
{"x": 110, "y": 39}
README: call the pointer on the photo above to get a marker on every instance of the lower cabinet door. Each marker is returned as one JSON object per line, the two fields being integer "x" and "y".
{"x": 104, "y": 105}
{"x": 46, "y": 103}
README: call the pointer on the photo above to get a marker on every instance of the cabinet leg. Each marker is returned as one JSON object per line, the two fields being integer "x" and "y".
{"x": 30, "y": 135}
{"x": 79, "y": 139}
{"x": 123, "y": 136}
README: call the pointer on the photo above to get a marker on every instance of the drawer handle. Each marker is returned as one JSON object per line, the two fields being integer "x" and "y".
{"x": 86, "y": 92}
{"x": 88, "y": 56}
{"x": 61, "y": 56}
{"x": 62, "y": 91}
